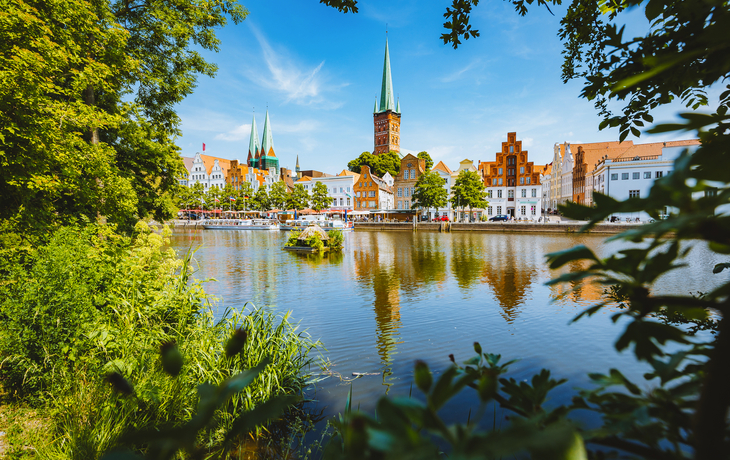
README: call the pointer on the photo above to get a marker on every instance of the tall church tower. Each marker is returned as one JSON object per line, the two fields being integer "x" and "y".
{"x": 386, "y": 117}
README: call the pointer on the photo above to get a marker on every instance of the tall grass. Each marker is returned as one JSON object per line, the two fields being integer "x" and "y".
{"x": 91, "y": 302}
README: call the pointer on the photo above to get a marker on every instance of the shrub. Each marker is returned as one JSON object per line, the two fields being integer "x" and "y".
{"x": 336, "y": 239}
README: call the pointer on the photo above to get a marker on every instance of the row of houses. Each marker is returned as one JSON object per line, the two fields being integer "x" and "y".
{"x": 618, "y": 169}
{"x": 514, "y": 185}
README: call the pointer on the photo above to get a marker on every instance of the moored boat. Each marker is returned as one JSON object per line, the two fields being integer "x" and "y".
{"x": 241, "y": 224}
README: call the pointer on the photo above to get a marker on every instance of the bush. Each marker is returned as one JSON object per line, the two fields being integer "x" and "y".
{"x": 91, "y": 302}
{"x": 336, "y": 239}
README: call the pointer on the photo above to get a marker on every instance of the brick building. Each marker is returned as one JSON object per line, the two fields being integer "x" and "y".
{"x": 513, "y": 182}
{"x": 386, "y": 116}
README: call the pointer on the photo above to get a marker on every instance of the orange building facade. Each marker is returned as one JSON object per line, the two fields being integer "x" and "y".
{"x": 371, "y": 192}
{"x": 512, "y": 182}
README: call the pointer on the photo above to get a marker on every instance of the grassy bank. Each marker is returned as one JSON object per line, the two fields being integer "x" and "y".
{"x": 89, "y": 303}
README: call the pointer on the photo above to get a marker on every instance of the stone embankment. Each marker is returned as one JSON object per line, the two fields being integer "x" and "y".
{"x": 502, "y": 227}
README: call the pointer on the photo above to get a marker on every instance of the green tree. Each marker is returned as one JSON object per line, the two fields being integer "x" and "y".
{"x": 243, "y": 196}
{"x": 468, "y": 191}
{"x": 278, "y": 195}
{"x": 429, "y": 192}
{"x": 260, "y": 200}
{"x": 298, "y": 198}
{"x": 379, "y": 164}
{"x": 320, "y": 198}
{"x": 427, "y": 157}
{"x": 87, "y": 100}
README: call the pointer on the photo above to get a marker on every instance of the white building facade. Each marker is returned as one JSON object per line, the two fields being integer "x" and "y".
{"x": 632, "y": 177}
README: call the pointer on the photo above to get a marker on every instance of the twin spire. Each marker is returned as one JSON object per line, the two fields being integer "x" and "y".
{"x": 261, "y": 155}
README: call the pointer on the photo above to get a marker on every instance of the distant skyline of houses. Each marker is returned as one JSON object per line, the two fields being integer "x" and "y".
{"x": 514, "y": 185}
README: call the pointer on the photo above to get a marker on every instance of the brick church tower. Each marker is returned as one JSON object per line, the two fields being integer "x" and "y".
{"x": 386, "y": 117}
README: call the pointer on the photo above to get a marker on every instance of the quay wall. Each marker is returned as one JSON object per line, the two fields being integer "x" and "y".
{"x": 501, "y": 227}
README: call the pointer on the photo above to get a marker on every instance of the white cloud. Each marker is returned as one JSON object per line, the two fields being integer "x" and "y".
{"x": 456, "y": 75}
{"x": 299, "y": 84}
{"x": 237, "y": 134}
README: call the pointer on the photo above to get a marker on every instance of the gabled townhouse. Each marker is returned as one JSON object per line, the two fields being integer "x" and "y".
{"x": 411, "y": 168}
{"x": 373, "y": 193}
{"x": 513, "y": 182}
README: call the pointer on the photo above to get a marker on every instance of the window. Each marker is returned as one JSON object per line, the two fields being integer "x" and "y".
{"x": 341, "y": 190}
{"x": 523, "y": 210}
{"x": 528, "y": 181}
{"x": 534, "y": 193}
{"x": 511, "y": 148}
{"x": 494, "y": 181}
{"x": 499, "y": 210}
{"x": 400, "y": 205}
{"x": 533, "y": 210}
{"x": 522, "y": 181}
{"x": 522, "y": 170}
{"x": 408, "y": 191}
{"x": 524, "y": 193}
{"x": 510, "y": 193}
{"x": 511, "y": 172}
{"x": 615, "y": 176}
{"x": 372, "y": 193}
{"x": 658, "y": 175}
{"x": 633, "y": 194}
{"x": 500, "y": 171}
{"x": 348, "y": 189}
{"x": 636, "y": 175}
{"x": 624, "y": 176}
{"x": 489, "y": 210}
{"x": 341, "y": 201}
{"x": 400, "y": 191}
{"x": 500, "y": 181}
{"x": 499, "y": 194}
{"x": 365, "y": 176}
{"x": 413, "y": 173}
{"x": 348, "y": 201}
{"x": 489, "y": 194}
{"x": 405, "y": 175}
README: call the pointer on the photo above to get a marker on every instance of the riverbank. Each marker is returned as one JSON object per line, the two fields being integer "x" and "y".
{"x": 501, "y": 227}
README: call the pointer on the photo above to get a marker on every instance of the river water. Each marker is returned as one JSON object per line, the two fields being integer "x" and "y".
{"x": 393, "y": 297}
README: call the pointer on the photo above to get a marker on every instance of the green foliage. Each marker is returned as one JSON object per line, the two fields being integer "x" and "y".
{"x": 292, "y": 238}
{"x": 260, "y": 201}
{"x": 468, "y": 190}
{"x": 408, "y": 428}
{"x": 86, "y": 105}
{"x": 379, "y": 164}
{"x": 429, "y": 191}
{"x": 427, "y": 157}
{"x": 320, "y": 198}
{"x": 90, "y": 303}
{"x": 336, "y": 240}
{"x": 298, "y": 198}
{"x": 315, "y": 241}
{"x": 278, "y": 195}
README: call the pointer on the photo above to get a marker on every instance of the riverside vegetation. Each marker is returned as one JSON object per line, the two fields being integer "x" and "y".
{"x": 92, "y": 305}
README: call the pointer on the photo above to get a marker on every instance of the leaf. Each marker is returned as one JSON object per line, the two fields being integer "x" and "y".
{"x": 720, "y": 267}
{"x": 558, "y": 259}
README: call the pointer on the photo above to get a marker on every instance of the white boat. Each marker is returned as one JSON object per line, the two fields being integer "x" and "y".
{"x": 240, "y": 224}
{"x": 326, "y": 225}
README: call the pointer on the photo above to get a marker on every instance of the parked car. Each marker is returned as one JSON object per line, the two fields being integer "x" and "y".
{"x": 443, "y": 218}
{"x": 499, "y": 218}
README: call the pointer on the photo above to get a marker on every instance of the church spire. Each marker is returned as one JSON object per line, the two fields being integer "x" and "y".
{"x": 397, "y": 109}
{"x": 267, "y": 145}
{"x": 253, "y": 144}
{"x": 386, "y": 90}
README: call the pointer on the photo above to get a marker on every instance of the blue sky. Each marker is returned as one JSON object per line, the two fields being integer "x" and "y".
{"x": 319, "y": 72}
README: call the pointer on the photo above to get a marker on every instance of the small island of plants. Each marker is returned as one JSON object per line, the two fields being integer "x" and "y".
{"x": 314, "y": 239}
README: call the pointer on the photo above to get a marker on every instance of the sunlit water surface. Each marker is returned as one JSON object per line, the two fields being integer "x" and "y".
{"x": 393, "y": 297}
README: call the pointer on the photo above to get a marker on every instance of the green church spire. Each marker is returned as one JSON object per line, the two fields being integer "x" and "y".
{"x": 253, "y": 145}
{"x": 267, "y": 145}
{"x": 386, "y": 91}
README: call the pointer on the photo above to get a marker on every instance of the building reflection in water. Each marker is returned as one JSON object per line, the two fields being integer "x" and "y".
{"x": 382, "y": 268}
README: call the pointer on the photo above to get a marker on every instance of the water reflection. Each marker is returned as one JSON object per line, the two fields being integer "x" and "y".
{"x": 381, "y": 270}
